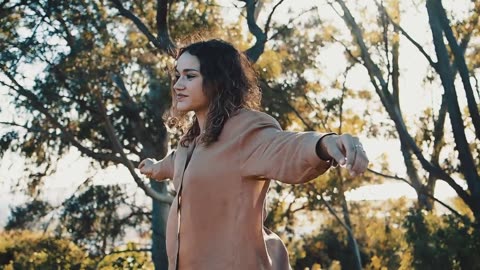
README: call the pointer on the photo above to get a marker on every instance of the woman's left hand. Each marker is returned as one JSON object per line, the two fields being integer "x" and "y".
{"x": 347, "y": 151}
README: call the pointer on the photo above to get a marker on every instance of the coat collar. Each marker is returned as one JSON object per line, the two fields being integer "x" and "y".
{"x": 184, "y": 156}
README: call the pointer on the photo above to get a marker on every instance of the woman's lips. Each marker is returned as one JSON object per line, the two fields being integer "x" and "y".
{"x": 181, "y": 96}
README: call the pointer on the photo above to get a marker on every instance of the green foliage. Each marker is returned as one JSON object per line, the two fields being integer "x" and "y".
{"x": 441, "y": 242}
{"x": 391, "y": 236}
{"x": 5, "y": 141}
{"x": 36, "y": 251}
{"x": 92, "y": 218}
{"x": 326, "y": 248}
{"x": 57, "y": 60}
{"x": 82, "y": 48}
{"x": 24, "y": 216}
{"x": 377, "y": 228}
{"x": 129, "y": 257}
{"x": 27, "y": 250}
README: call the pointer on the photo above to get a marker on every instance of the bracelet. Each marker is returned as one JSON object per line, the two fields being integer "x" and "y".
{"x": 318, "y": 149}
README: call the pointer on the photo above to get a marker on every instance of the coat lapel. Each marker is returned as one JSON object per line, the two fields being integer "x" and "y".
{"x": 180, "y": 163}
{"x": 184, "y": 159}
{"x": 184, "y": 154}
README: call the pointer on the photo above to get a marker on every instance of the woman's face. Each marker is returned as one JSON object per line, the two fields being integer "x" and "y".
{"x": 188, "y": 89}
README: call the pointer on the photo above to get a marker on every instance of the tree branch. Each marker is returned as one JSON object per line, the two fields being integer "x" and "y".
{"x": 404, "y": 33}
{"x": 27, "y": 44}
{"x": 342, "y": 98}
{"x": 382, "y": 90}
{"x": 290, "y": 21}
{"x": 70, "y": 39}
{"x": 467, "y": 163}
{"x": 254, "y": 52}
{"x": 66, "y": 134}
{"x": 323, "y": 121}
{"x": 267, "y": 24}
{"x": 421, "y": 191}
{"x": 5, "y": 11}
{"x": 459, "y": 61}
{"x": 55, "y": 208}
{"x": 373, "y": 70}
{"x": 477, "y": 86}
{"x": 163, "y": 27}
{"x": 438, "y": 135}
{"x": 165, "y": 198}
{"x": 349, "y": 52}
{"x": 349, "y": 230}
{"x": 138, "y": 124}
{"x": 163, "y": 44}
{"x": 13, "y": 124}
{"x": 264, "y": 85}
{"x": 135, "y": 213}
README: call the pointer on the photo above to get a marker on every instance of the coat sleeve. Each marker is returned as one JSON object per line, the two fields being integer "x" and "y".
{"x": 164, "y": 168}
{"x": 268, "y": 152}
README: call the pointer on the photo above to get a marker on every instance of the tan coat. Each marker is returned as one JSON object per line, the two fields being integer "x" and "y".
{"x": 219, "y": 224}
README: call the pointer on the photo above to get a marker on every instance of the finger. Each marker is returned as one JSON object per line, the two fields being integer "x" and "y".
{"x": 140, "y": 166}
{"x": 146, "y": 170}
{"x": 354, "y": 162}
{"x": 353, "y": 166}
{"x": 348, "y": 145}
{"x": 361, "y": 161}
{"x": 337, "y": 155}
{"x": 149, "y": 171}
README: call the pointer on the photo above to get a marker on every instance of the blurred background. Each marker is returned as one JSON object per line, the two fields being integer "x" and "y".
{"x": 84, "y": 85}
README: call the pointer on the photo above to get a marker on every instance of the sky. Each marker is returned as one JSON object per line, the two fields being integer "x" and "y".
{"x": 73, "y": 169}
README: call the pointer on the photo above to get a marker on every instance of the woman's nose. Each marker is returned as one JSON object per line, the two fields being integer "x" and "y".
{"x": 178, "y": 84}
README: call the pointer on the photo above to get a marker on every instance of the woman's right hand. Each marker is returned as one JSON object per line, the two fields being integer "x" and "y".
{"x": 147, "y": 167}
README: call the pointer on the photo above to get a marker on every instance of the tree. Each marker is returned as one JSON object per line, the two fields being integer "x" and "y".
{"x": 102, "y": 88}
{"x": 25, "y": 216}
{"x": 132, "y": 258}
{"x": 441, "y": 242}
{"x": 94, "y": 218}
{"x": 384, "y": 79}
{"x": 26, "y": 250}
{"x": 379, "y": 232}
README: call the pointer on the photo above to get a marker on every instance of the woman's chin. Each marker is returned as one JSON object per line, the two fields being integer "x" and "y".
{"x": 183, "y": 109}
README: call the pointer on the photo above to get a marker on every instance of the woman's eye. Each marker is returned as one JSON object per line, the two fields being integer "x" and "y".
{"x": 190, "y": 76}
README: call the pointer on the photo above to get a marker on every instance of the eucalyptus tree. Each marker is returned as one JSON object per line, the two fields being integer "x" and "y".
{"x": 380, "y": 57}
{"x": 93, "y": 75}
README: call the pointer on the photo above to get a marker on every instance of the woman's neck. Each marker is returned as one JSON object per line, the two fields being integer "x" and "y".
{"x": 201, "y": 118}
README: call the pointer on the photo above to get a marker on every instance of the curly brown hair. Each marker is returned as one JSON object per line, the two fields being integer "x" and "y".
{"x": 229, "y": 83}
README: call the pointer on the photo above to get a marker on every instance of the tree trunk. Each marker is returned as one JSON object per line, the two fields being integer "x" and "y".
{"x": 159, "y": 224}
{"x": 438, "y": 134}
{"x": 467, "y": 164}
{"x": 424, "y": 202}
{"x": 352, "y": 243}
{"x": 459, "y": 60}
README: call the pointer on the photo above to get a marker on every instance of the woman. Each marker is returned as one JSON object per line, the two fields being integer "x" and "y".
{"x": 223, "y": 166}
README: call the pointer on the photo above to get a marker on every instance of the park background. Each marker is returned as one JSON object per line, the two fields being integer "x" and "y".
{"x": 84, "y": 85}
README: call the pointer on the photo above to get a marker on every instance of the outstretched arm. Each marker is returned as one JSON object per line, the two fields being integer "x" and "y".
{"x": 158, "y": 170}
{"x": 294, "y": 157}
